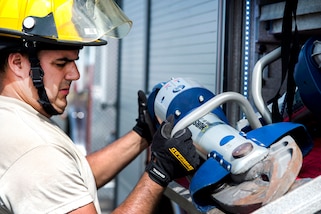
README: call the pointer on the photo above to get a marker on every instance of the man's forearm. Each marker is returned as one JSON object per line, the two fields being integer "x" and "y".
{"x": 107, "y": 162}
{"x": 143, "y": 199}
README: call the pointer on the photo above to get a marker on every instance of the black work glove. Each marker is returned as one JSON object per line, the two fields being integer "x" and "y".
{"x": 144, "y": 126}
{"x": 172, "y": 158}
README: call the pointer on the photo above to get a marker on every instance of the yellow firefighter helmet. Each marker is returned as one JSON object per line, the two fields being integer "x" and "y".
{"x": 80, "y": 22}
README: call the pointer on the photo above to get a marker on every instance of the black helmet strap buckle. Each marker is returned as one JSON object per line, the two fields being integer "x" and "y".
{"x": 37, "y": 74}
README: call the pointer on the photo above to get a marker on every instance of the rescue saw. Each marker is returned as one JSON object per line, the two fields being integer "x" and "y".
{"x": 243, "y": 169}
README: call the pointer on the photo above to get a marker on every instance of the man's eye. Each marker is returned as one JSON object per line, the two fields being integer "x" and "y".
{"x": 61, "y": 64}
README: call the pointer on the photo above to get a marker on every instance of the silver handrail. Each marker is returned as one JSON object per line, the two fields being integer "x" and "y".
{"x": 257, "y": 83}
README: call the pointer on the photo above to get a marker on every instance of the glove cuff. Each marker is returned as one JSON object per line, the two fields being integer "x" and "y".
{"x": 138, "y": 130}
{"x": 143, "y": 132}
{"x": 157, "y": 175}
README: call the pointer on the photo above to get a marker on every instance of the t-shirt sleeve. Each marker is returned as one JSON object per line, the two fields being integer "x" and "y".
{"x": 47, "y": 179}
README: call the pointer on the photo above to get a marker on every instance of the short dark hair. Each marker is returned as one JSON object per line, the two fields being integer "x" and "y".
{"x": 3, "y": 60}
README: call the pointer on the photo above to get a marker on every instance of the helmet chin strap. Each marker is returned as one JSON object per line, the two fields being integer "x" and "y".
{"x": 37, "y": 78}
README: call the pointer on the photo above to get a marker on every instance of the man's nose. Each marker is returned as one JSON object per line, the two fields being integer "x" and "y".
{"x": 73, "y": 73}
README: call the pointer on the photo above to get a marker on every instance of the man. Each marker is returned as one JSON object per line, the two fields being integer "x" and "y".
{"x": 41, "y": 171}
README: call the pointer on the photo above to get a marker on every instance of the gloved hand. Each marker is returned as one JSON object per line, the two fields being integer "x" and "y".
{"x": 172, "y": 158}
{"x": 144, "y": 126}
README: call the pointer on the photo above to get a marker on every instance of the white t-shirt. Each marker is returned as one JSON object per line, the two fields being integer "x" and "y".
{"x": 41, "y": 170}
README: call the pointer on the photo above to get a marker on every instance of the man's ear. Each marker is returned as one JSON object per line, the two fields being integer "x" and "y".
{"x": 19, "y": 64}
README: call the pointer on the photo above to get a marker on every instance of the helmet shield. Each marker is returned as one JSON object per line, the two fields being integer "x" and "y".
{"x": 89, "y": 20}
{"x": 65, "y": 21}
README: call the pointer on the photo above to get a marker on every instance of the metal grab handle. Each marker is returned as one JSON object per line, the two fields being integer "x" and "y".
{"x": 257, "y": 83}
{"x": 216, "y": 102}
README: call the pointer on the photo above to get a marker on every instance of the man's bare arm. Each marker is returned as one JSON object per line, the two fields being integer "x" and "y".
{"x": 143, "y": 199}
{"x": 109, "y": 161}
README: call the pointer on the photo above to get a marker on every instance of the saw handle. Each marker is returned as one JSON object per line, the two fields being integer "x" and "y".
{"x": 216, "y": 102}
